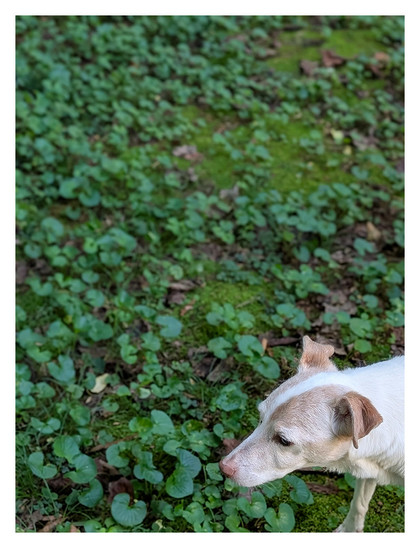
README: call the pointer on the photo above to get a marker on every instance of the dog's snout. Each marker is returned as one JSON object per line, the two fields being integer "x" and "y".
{"x": 227, "y": 469}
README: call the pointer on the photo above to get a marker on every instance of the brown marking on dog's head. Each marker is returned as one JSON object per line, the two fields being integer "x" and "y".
{"x": 355, "y": 416}
{"x": 316, "y": 355}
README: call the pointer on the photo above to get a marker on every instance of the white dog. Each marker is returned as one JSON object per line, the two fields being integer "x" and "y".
{"x": 346, "y": 421}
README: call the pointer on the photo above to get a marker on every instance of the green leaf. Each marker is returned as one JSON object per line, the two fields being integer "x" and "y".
{"x": 64, "y": 371}
{"x": 189, "y": 462}
{"x": 91, "y": 496}
{"x": 145, "y": 469}
{"x": 300, "y": 493}
{"x": 150, "y": 342}
{"x": 362, "y": 345}
{"x": 80, "y": 414}
{"x": 250, "y": 346}
{"x": 218, "y": 346}
{"x": 232, "y": 523}
{"x": 95, "y": 297}
{"x": 213, "y": 471}
{"x": 254, "y": 509}
{"x": 48, "y": 427}
{"x": 281, "y": 522}
{"x": 231, "y": 397}
{"x": 53, "y": 227}
{"x": 113, "y": 455}
{"x": 267, "y": 367}
{"x": 126, "y": 515}
{"x": 179, "y": 484}
{"x": 194, "y": 513}
{"x": 40, "y": 356}
{"x": 85, "y": 469}
{"x": 66, "y": 447}
{"x": 162, "y": 423}
{"x": 36, "y": 464}
{"x": 171, "y": 326}
{"x": 99, "y": 330}
{"x": 360, "y": 327}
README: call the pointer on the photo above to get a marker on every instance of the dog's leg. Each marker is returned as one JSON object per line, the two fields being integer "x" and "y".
{"x": 355, "y": 519}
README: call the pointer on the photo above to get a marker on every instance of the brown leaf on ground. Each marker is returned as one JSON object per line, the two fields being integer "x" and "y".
{"x": 308, "y": 67}
{"x": 21, "y": 272}
{"x": 230, "y": 444}
{"x": 122, "y": 485}
{"x": 183, "y": 285}
{"x": 382, "y": 57}
{"x": 222, "y": 367}
{"x": 74, "y": 529}
{"x": 373, "y": 234}
{"x": 52, "y": 524}
{"x": 325, "y": 489}
{"x": 331, "y": 59}
{"x": 201, "y": 360}
{"x": 175, "y": 297}
{"x": 189, "y": 306}
{"x": 189, "y": 152}
{"x": 400, "y": 165}
{"x": 272, "y": 340}
{"x": 59, "y": 484}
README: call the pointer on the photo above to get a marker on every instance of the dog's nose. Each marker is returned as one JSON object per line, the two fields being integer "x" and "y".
{"x": 227, "y": 469}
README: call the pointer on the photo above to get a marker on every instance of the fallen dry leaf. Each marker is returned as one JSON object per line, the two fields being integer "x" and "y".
{"x": 308, "y": 67}
{"x": 52, "y": 524}
{"x": 187, "y": 308}
{"x": 100, "y": 383}
{"x": 382, "y": 57}
{"x": 189, "y": 152}
{"x": 122, "y": 485}
{"x": 331, "y": 59}
{"x": 21, "y": 272}
{"x": 373, "y": 234}
{"x": 326, "y": 489}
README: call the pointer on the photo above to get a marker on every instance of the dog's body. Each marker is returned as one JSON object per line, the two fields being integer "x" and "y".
{"x": 346, "y": 421}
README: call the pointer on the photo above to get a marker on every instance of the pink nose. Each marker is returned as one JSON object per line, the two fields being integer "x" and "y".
{"x": 226, "y": 468}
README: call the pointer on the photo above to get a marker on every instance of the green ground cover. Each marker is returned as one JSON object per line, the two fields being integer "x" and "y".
{"x": 187, "y": 189}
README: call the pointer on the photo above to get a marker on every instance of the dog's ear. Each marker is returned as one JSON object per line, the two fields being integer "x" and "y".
{"x": 355, "y": 416}
{"x": 316, "y": 355}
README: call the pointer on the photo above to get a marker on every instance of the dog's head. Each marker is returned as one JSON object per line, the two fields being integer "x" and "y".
{"x": 309, "y": 420}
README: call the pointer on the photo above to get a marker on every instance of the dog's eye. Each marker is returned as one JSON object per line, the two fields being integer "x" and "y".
{"x": 282, "y": 440}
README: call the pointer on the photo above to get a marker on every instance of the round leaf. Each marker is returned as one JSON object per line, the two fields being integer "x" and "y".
{"x": 128, "y": 516}
{"x": 85, "y": 469}
{"x": 171, "y": 326}
{"x": 36, "y": 464}
{"x": 179, "y": 484}
{"x": 189, "y": 462}
{"x": 66, "y": 447}
{"x": 90, "y": 497}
